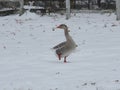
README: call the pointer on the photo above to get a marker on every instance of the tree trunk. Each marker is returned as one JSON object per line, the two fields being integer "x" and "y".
{"x": 67, "y": 9}
{"x": 118, "y": 9}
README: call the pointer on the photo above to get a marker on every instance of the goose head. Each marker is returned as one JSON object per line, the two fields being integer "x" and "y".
{"x": 62, "y": 26}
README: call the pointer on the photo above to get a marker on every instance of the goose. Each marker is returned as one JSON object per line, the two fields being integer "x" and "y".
{"x": 64, "y": 49}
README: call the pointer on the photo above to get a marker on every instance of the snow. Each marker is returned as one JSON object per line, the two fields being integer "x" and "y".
{"x": 28, "y": 63}
{"x": 5, "y": 9}
{"x": 32, "y": 7}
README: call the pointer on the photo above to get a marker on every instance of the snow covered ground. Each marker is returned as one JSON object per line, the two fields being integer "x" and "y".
{"x": 28, "y": 63}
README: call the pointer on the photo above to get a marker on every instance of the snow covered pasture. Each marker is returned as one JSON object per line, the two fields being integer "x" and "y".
{"x": 28, "y": 63}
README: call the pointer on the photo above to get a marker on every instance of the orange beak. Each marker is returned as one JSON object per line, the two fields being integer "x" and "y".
{"x": 58, "y": 27}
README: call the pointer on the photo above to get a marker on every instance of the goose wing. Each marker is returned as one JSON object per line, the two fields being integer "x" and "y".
{"x": 59, "y": 45}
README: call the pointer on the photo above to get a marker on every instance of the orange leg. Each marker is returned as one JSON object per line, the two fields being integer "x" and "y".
{"x": 59, "y": 56}
{"x": 65, "y": 59}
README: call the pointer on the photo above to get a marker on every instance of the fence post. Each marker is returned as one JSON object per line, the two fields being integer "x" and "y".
{"x": 67, "y": 9}
{"x": 118, "y": 9}
{"x": 21, "y": 6}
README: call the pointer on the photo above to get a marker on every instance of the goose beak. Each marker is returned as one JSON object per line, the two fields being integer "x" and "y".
{"x": 58, "y": 27}
{"x": 53, "y": 29}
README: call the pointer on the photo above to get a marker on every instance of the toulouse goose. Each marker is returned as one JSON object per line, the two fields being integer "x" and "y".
{"x": 63, "y": 49}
